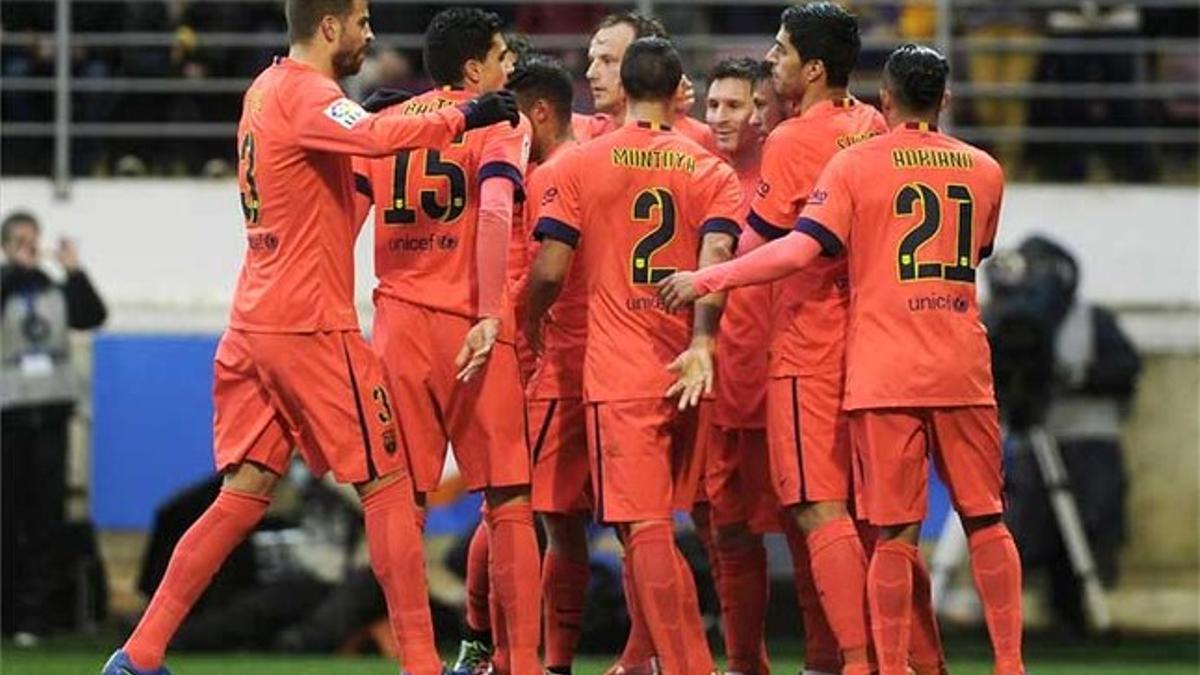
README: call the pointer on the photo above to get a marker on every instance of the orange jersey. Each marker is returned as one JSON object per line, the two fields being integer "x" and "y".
{"x": 811, "y": 307}
{"x": 560, "y": 370}
{"x": 741, "y": 386}
{"x": 590, "y": 127}
{"x": 917, "y": 211}
{"x": 636, "y": 203}
{"x": 427, "y": 206}
{"x": 295, "y": 139}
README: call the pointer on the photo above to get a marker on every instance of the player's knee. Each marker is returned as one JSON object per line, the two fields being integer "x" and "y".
{"x": 735, "y": 536}
{"x": 812, "y": 515}
{"x": 905, "y": 532}
{"x": 972, "y": 524}
{"x": 376, "y": 484}
{"x": 252, "y": 479}
{"x": 499, "y": 496}
{"x": 566, "y": 536}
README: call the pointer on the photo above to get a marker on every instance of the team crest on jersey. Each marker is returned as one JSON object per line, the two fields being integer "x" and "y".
{"x": 763, "y": 189}
{"x": 345, "y": 112}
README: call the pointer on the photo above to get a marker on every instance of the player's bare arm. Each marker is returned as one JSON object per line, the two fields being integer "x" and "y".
{"x": 694, "y": 367}
{"x": 545, "y": 281}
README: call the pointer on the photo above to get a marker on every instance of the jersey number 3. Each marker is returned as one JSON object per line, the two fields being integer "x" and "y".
{"x": 452, "y": 202}
{"x": 251, "y": 204}
{"x": 641, "y": 270}
{"x": 908, "y": 266}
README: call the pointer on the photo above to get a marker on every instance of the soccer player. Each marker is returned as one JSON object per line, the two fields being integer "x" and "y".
{"x": 292, "y": 369}
{"x": 561, "y": 487}
{"x": 639, "y": 203}
{"x": 443, "y": 323}
{"x": 914, "y": 212}
{"x": 741, "y": 505}
{"x": 814, "y": 53}
{"x": 612, "y": 37}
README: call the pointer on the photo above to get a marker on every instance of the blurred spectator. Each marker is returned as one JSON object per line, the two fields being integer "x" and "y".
{"x": 1004, "y": 61}
{"x": 1130, "y": 162}
{"x": 1094, "y": 374}
{"x": 38, "y": 393}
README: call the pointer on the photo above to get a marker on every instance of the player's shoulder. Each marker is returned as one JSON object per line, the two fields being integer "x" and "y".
{"x": 981, "y": 161}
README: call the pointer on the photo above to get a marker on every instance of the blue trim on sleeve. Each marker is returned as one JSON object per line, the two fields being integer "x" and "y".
{"x": 723, "y": 225}
{"x": 552, "y": 228}
{"x": 831, "y": 245}
{"x": 765, "y": 228}
{"x": 504, "y": 170}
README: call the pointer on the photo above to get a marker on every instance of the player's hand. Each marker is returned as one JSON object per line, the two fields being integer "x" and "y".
{"x": 685, "y": 96}
{"x": 694, "y": 371}
{"x": 490, "y": 108}
{"x": 476, "y": 348}
{"x": 67, "y": 254}
{"x": 678, "y": 290}
{"x": 384, "y": 98}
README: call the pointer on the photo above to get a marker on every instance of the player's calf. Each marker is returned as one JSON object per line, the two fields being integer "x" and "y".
{"x": 565, "y": 574}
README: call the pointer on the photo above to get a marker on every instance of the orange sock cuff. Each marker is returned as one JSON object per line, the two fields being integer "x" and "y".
{"x": 829, "y": 534}
{"x": 248, "y": 498}
{"x": 659, "y": 530}
{"x": 986, "y": 535}
{"x": 510, "y": 512}
{"x": 384, "y": 497}
{"x": 899, "y": 547}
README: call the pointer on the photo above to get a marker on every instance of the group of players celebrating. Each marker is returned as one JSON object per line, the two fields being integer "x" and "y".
{"x": 549, "y": 305}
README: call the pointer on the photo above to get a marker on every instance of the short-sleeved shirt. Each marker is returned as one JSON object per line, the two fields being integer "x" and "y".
{"x": 427, "y": 207}
{"x": 915, "y": 212}
{"x": 636, "y": 203}
{"x": 559, "y": 372}
{"x": 741, "y": 386}
{"x": 589, "y": 127}
{"x": 810, "y": 308}
{"x": 295, "y": 138}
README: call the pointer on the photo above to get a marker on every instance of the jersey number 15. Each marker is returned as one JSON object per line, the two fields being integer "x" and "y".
{"x": 445, "y": 204}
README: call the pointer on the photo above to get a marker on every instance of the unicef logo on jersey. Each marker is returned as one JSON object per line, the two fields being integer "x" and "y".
{"x": 939, "y": 303}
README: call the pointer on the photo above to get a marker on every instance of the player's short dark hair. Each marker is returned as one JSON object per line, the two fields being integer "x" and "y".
{"x": 651, "y": 69}
{"x": 455, "y": 36}
{"x": 643, "y": 25}
{"x": 14, "y": 220}
{"x": 916, "y": 76}
{"x": 741, "y": 68}
{"x": 519, "y": 44}
{"x": 538, "y": 76}
{"x": 825, "y": 31}
{"x": 303, "y": 16}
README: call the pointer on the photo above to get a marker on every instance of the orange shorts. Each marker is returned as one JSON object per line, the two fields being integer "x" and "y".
{"x": 642, "y": 455}
{"x": 324, "y": 393}
{"x": 737, "y": 479}
{"x": 809, "y": 439}
{"x": 561, "y": 477}
{"x": 484, "y": 419}
{"x": 893, "y": 445}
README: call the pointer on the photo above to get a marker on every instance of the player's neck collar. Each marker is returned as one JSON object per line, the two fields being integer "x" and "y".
{"x": 653, "y": 126}
{"x": 919, "y": 126}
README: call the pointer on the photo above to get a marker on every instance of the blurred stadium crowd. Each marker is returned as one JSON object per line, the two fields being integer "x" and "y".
{"x": 211, "y": 49}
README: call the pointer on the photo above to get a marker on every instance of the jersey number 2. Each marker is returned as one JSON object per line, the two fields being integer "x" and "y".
{"x": 641, "y": 270}
{"x": 447, "y": 211}
{"x": 908, "y": 266}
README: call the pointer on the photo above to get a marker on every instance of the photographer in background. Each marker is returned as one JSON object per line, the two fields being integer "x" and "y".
{"x": 38, "y": 392}
{"x": 1063, "y": 364}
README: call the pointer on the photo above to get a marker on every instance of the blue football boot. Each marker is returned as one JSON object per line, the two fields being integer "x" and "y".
{"x": 119, "y": 664}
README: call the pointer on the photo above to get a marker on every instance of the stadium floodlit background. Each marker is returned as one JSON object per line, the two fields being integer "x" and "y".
{"x": 117, "y": 127}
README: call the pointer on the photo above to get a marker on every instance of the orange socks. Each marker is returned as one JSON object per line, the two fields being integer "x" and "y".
{"x": 398, "y": 560}
{"x": 564, "y": 591}
{"x": 996, "y": 566}
{"x": 668, "y": 600}
{"x": 839, "y": 569}
{"x": 820, "y": 646}
{"x": 743, "y": 591}
{"x": 890, "y": 591}
{"x": 925, "y": 651}
{"x": 478, "y": 621}
{"x": 516, "y": 582}
{"x": 197, "y": 557}
{"x": 639, "y": 647}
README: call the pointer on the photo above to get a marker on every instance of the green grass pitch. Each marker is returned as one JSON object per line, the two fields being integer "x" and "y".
{"x": 968, "y": 656}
